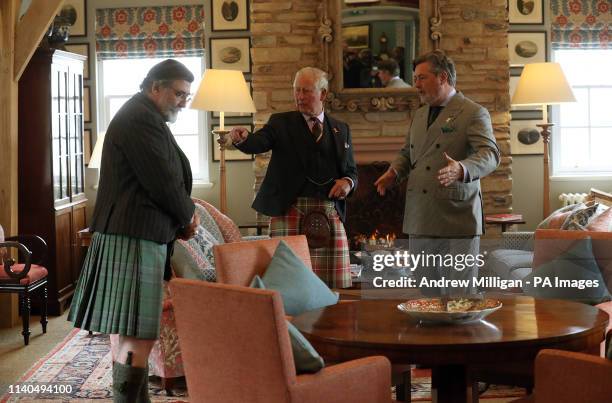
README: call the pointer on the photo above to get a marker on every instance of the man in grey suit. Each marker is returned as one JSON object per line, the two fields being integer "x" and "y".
{"x": 449, "y": 147}
{"x": 389, "y": 74}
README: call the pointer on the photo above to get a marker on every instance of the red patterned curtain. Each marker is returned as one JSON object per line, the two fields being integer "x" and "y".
{"x": 580, "y": 24}
{"x": 147, "y": 32}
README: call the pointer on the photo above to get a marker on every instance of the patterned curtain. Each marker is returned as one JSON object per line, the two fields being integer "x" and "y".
{"x": 580, "y": 24}
{"x": 147, "y": 32}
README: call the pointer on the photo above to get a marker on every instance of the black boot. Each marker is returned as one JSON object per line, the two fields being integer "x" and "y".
{"x": 127, "y": 382}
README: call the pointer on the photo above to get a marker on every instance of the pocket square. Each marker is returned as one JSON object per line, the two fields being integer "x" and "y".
{"x": 346, "y": 145}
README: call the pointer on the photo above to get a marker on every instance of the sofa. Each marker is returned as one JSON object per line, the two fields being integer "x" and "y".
{"x": 522, "y": 254}
{"x": 191, "y": 259}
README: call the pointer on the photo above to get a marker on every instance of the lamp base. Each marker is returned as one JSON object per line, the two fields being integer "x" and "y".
{"x": 222, "y": 141}
{"x": 545, "y": 133}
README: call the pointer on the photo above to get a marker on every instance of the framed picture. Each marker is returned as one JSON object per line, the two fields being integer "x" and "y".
{"x": 216, "y": 114}
{"x": 230, "y": 54}
{"x": 525, "y": 137}
{"x": 86, "y": 106}
{"x": 231, "y": 153}
{"x": 513, "y": 83}
{"x": 79, "y": 9}
{"x": 526, "y": 11}
{"x": 356, "y": 36}
{"x": 86, "y": 146}
{"x": 230, "y": 15}
{"x": 526, "y": 47}
{"x": 80, "y": 49}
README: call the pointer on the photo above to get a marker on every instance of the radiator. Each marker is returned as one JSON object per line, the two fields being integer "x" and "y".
{"x": 572, "y": 198}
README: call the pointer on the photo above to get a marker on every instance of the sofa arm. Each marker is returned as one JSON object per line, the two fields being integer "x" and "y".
{"x": 522, "y": 240}
{"x": 585, "y": 377}
{"x": 366, "y": 380}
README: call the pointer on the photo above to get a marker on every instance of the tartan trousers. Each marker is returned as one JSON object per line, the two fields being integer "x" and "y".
{"x": 332, "y": 263}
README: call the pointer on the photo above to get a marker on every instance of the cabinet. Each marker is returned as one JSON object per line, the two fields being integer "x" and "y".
{"x": 51, "y": 170}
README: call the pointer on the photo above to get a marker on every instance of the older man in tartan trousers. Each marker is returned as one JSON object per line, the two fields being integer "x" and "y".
{"x": 311, "y": 168}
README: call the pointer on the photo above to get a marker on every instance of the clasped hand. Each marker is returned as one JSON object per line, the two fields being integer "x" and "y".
{"x": 189, "y": 230}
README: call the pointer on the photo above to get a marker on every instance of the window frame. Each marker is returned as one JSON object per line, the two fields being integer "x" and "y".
{"x": 583, "y": 172}
{"x": 199, "y": 178}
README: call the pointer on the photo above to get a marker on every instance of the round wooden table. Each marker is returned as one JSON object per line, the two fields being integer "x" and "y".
{"x": 516, "y": 332}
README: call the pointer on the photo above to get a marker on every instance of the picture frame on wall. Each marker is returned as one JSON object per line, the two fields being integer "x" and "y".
{"x": 86, "y": 146}
{"x": 79, "y": 8}
{"x": 523, "y": 12}
{"x": 83, "y": 50}
{"x": 231, "y": 153}
{"x": 525, "y": 137}
{"x": 356, "y": 37}
{"x": 86, "y": 106}
{"x": 526, "y": 47}
{"x": 231, "y": 54}
{"x": 230, "y": 15}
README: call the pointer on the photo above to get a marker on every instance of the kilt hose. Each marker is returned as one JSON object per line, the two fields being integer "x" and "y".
{"x": 120, "y": 289}
{"x": 331, "y": 263}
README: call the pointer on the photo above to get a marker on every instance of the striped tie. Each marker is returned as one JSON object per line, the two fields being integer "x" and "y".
{"x": 317, "y": 130}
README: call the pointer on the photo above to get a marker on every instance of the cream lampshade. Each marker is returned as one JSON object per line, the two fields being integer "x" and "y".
{"x": 223, "y": 91}
{"x": 543, "y": 84}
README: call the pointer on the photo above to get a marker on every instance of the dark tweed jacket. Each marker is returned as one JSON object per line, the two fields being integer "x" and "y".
{"x": 145, "y": 179}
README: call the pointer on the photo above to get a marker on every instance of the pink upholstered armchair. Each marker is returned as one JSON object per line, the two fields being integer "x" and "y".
{"x": 166, "y": 360}
{"x": 248, "y": 354}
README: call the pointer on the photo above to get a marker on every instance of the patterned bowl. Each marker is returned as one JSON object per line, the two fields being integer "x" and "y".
{"x": 434, "y": 310}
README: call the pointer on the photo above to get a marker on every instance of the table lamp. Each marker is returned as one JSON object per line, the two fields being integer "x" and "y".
{"x": 223, "y": 91}
{"x": 543, "y": 84}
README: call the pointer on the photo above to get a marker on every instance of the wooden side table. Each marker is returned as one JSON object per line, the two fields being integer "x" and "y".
{"x": 504, "y": 224}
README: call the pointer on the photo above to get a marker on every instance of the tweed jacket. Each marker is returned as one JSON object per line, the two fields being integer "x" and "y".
{"x": 286, "y": 175}
{"x": 145, "y": 179}
{"x": 463, "y": 130}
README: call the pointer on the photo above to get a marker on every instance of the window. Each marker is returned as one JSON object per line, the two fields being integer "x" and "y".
{"x": 119, "y": 79}
{"x": 582, "y": 140}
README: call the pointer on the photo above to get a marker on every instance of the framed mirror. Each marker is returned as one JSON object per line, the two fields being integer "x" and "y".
{"x": 368, "y": 49}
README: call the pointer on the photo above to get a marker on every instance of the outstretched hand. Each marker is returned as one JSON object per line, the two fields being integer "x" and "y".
{"x": 238, "y": 134}
{"x": 452, "y": 172}
{"x": 385, "y": 181}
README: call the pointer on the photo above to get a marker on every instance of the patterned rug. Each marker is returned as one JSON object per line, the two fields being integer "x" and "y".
{"x": 82, "y": 364}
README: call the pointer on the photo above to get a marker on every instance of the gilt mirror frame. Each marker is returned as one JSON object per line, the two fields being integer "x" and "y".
{"x": 371, "y": 99}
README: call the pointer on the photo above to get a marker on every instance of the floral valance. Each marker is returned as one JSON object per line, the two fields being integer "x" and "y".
{"x": 139, "y": 32}
{"x": 580, "y": 24}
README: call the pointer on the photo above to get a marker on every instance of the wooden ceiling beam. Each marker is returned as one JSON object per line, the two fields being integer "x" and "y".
{"x": 30, "y": 30}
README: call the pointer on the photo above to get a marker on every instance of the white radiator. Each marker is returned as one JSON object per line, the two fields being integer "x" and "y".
{"x": 572, "y": 198}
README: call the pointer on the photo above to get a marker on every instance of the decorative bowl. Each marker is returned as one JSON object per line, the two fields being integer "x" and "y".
{"x": 463, "y": 310}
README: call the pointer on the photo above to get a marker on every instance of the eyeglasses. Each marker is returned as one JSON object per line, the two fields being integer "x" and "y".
{"x": 185, "y": 96}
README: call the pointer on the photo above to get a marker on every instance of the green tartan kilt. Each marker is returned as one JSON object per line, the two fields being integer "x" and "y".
{"x": 120, "y": 289}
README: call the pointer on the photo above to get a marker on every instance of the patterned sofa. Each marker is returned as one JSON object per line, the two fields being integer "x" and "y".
{"x": 191, "y": 259}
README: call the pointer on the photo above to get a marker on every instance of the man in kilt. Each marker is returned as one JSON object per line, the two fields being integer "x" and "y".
{"x": 311, "y": 168}
{"x": 143, "y": 205}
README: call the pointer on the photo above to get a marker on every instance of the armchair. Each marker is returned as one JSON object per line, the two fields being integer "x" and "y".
{"x": 569, "y": 377}
{"x": 24, "y": 278}
{"x": 259, "y": 367}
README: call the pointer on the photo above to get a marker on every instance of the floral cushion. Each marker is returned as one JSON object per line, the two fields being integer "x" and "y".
{"x": 207, "y": 221}
{"x": 579, "y": 218}
{"x": 558, "y": 217}
{"x": 230, "y": 231}
{"x": 194, "y": 258}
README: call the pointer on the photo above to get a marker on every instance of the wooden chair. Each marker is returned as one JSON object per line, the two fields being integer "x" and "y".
{"x": 244, "y": 352}
{"x": 26, "y": 277}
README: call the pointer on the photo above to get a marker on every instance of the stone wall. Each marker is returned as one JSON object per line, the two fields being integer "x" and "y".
{"x": 474, "y": 32}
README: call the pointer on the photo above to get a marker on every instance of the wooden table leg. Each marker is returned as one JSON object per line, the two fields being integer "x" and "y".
{"x": 451, "y": 384}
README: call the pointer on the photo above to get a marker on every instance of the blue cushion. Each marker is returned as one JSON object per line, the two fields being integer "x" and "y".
{"x": 575, "y": 264}
{"x": 305, "y": 357}
{"x": 300, "y": 288}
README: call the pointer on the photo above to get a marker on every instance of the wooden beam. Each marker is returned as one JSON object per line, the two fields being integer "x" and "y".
{"x": 31, "y": 29}
{"x": 8, "y": 140}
